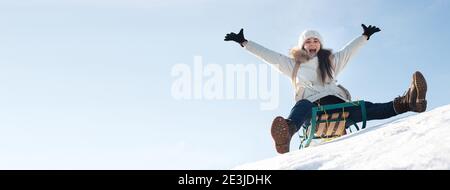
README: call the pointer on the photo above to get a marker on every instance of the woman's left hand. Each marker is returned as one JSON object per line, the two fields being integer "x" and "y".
{"x": 368, "y": 31}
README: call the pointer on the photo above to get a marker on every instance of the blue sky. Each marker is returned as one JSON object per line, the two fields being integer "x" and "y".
{"x": 87, "y": 84}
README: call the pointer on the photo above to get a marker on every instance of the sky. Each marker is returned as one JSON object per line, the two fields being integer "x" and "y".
{"x": 88, "y": 84}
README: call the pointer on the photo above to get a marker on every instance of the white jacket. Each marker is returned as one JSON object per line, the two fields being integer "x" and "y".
{"x": 309, "y": 85}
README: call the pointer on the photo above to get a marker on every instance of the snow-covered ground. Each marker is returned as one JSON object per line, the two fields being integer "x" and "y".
{"x": 421, "y": 141}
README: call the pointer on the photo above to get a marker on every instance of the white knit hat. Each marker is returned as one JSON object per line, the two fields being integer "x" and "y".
{"x": 309, "y": 34}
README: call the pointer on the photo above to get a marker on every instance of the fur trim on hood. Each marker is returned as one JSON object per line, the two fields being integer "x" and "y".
{"x": 300, "y": 55}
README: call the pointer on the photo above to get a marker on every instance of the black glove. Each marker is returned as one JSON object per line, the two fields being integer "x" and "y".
{"x": 368, "y": 31}
{"x": 239, "y": 38}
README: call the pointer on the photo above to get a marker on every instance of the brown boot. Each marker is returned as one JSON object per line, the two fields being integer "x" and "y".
{"x": 414, "y": 98}
{"x": 282, "y": 133}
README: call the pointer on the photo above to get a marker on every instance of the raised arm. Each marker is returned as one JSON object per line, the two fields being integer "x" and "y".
{"x": 281, "y": 62}
{"x": 342, "y": 57}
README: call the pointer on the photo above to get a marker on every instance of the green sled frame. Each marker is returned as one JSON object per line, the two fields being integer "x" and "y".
{"x": 308, "y": 134}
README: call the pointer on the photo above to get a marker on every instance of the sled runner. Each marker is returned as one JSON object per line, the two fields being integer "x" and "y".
{"x": 329, "y": 126}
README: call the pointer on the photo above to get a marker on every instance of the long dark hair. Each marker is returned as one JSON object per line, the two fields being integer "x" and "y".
{"x": 325, "y": 66}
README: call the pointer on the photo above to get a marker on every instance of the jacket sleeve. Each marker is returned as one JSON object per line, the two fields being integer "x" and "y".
{"x": 342, "y": 57}
{"x": 279, "y": 61}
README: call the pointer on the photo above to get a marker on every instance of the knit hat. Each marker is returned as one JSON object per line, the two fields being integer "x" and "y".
{"x": 309, "y": 34}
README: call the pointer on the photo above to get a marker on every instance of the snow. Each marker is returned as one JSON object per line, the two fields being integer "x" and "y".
{"x": 417, "y": 142}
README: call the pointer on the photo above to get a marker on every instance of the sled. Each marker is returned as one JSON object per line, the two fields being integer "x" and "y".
{"x": 326, "y": 126}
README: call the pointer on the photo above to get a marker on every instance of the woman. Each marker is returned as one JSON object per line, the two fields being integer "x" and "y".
{"x": 313, "y": 71}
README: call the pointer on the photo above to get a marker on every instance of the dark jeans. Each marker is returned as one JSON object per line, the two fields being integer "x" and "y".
{"x": 301, "y": 112}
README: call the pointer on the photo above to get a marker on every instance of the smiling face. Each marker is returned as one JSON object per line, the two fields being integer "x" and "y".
{"x": 312, "y": 46}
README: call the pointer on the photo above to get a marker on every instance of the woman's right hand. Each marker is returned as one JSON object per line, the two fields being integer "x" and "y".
{"x": 368, "y": 31}
{"x": 239, "y": 38}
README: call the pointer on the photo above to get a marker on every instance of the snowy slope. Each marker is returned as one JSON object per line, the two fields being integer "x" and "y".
{"x": 421, "y": 141}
